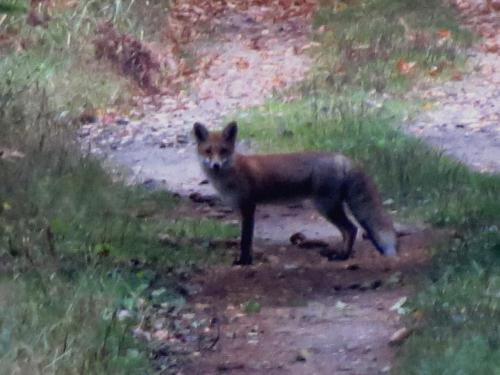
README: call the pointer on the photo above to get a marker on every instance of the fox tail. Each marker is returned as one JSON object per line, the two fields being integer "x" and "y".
{"x": 365, "y": 204}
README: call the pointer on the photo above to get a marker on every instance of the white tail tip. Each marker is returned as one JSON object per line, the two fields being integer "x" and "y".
{"x": 390, "y": 251}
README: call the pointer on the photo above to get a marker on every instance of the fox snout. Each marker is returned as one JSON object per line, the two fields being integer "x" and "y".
{"x": 215, "y": 164}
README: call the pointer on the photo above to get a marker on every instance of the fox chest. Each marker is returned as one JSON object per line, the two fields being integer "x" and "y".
{"x": 230, "y": 191}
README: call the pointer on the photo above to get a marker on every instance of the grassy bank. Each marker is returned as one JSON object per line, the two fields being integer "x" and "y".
{"x": 68, "y": 327}
{"x": 386, "y": 45}
{"x": 81, "y": 262}
{"x": 76, "y": 247}
{"x": 53, "y": 46}
{"x": 370, "y": 54}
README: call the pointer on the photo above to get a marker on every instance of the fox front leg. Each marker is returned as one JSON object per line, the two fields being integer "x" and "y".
{"x": 247, "y": 225}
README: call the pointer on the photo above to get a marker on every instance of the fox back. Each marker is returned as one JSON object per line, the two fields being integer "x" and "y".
{"x": 264, "y": 178}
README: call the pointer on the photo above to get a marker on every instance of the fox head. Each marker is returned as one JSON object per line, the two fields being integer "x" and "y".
{"x": 215, "y": 149}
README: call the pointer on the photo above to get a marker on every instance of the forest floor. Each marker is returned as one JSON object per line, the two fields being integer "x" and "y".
{"x": 294, "y": 311}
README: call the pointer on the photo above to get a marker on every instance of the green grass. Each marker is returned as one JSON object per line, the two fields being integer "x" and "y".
{"x": 76, "y": 246}
{"x": 365, "y": 39}
{"x": 68, "y": 327}
{"x": 348, "y": 106}
{"x": 460, "y": 309}
{"x": 60, "y": 57}
{"x": 422, "y": 182}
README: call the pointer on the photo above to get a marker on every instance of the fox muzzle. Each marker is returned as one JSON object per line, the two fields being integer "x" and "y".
{"x": 215, "y": 164}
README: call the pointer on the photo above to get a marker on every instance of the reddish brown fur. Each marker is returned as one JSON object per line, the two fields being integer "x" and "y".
{"x": 329, "y": 179}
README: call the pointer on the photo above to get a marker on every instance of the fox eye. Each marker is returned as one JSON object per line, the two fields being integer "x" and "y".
{"x": 208, "y": 151}
{"x": 224, "y": 151}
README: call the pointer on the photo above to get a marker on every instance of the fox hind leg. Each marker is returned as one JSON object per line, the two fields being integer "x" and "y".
{"x": 335, "y": 214}
{"x": 348, "y": 230}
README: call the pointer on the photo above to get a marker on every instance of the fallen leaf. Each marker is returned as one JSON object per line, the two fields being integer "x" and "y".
{"x": 124, "y": 315}
{"x": 277, "y": 81}
{"x": 242, "y": 64}
{"x": 309, "y": 46}
{"x": 340, "y": 305}
{"x": 395, "y": 278}
{"x": 340, "y": 6}
{"x": 434, "y": 71}
{"x": 188, "y": 316}
{"x": 417, "y": 315}
{"x": 161, "y": 335}
{"x": 230, "y": 366}
{"x": 108, "y": 118}
{"x": 10, "y": 154}
{"x": 352, "y": 267}
{"x": 427, "y": 106}
{"x": 491, "y": 46}
{"x": 494, "y": 4}
{"x": 254, "y": 43}
{"x": 404, "y": 67}
{"x": 321, "y": 29}
{"x": 141, "y": 334}
{"x": 398, "y": 306}
{"x": 399, "y": 336}
{"x": 302, "y": 355}
{"x": 443, "y": 34}
{"x": 456, "y": 76}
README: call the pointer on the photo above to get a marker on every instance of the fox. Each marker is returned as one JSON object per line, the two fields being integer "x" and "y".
{"x": 330, "y": 180}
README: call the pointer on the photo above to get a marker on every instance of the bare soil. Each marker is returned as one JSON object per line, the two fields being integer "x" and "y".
{"x": 315, "y": 316}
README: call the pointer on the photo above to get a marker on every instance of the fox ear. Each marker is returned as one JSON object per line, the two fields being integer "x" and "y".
{"x": 200, "y": 132}
{"x": 230, "y": 131}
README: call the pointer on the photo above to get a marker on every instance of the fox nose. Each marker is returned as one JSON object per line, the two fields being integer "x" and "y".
{"x": 216, "y": 166}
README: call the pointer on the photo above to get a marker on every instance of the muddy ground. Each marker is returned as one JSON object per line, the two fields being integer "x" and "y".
{"x": 314, "y": 316}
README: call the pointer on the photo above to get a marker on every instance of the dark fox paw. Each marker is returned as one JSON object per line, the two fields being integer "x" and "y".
{"x": 243, "y": 262}
{"x": 339, "y": 257}
{"x": 333, "y": 255}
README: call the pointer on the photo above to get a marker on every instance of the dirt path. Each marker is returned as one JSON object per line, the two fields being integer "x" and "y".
{"x": 316, "y": 316}
{"x": 464, "y": 119}
{"x": 250, "y": 57}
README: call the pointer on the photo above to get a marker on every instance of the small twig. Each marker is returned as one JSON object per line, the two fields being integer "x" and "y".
{"x": 107, "y": 333}
{"x": 65, "y": 343}
{"x": 217, "y": 338}
{"x": 51, "y": 242}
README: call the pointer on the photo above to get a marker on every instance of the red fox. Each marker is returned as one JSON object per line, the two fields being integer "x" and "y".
{"x": 329, "y": 179}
